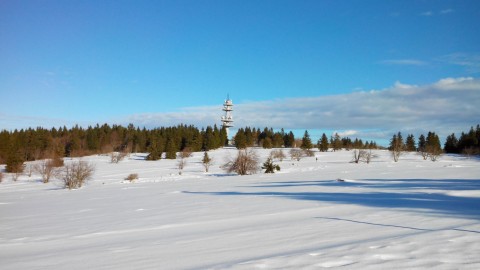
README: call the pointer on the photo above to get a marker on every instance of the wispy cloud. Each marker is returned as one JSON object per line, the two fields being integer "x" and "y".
{"x": 427, "y": 13}
{"x": 446, "y": 11}
{"x": 471, "y": 61}
{"x": 404, "y": 62}
{"x": 441, "y": 12}
{"x": 449, "y": 105}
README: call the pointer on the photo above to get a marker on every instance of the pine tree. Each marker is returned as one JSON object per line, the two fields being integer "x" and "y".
{"x": 323, "y": 143}
{"x": 267, "y": 143}
{"x": 206, "y": 161}
{"x": 336, "y": 142}
{"x": 421, "y": 143}
{"x": 277, "y": 140}
{"x": 396, "y": 146}
{"x": 289, "y": 139}
{"x": 410, "y": 143}
{"x": 270, "y": 167}
{"x": 240, "y": 139}
{"x": 171, "y": 149}
{"x": 306, "y": 141}
{"x": 432, "y": 146}
{"x": 155, "y": 151}
{"x": 14, "y": 160}
{"x": 451, "y": 144}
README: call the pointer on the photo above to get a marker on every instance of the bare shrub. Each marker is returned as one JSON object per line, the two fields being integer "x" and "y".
{"x": 77, "y": 173}
{"x": 423, "y": 153}
{"x": 116, "y": 157}
{"x": 186, "y": 153}
{"x": 181, "y": 164}
{"x": 296, "y": 154}
{"x": 359, "y": 155}
{"x": 57, "y": 161}
{"x": 433, "y": 152}
{"x": 277, "y": 154}
{"x": 245, "y": 163}
{"x": 368, "y": 156}
{"x": 396, "y": 153}
{"x": 1, "y": 177}
{"x": 206, "y": 161}
{"x": 308, "y": 153}
{"x": 16, "y": 175}
{"x": 45, "y": 169}
{"x": 470, "y": 151}
{"x": 132, "y": 177}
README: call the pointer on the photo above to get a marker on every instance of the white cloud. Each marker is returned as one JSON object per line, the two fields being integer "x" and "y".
{"x": 449, "y": 105}
{"x": 427, "y": 13}
{"x": 446, "y": 106}
{"x": 346, "y": 133}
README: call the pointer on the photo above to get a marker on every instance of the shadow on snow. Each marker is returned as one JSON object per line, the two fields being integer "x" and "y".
{"x": 411, "y": 198}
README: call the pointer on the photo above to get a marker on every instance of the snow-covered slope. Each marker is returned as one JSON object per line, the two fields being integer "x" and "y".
{"x": 384, "y": 215}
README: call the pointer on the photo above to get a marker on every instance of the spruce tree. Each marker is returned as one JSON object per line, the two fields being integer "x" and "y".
{"x": 171, "y": 149}
{"x": 289, "y": 139}
{"x": 240, "y": 139}
{"x": 267, "y": 143}
{"x": 336, "y": 142}
{"x": 323, "y": 143}
{"x": 306, "y": 141}
{"x": 410, "y": 143}
{"x": 451, "y": 144}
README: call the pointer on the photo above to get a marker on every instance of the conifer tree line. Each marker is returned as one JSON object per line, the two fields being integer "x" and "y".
{"x": 31, "y": 144}
{"x": 468, "y": 143}
{"x": 250, "y": 137}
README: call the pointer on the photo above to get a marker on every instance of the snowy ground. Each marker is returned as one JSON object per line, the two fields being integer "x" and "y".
{"x": 413, "y": 214}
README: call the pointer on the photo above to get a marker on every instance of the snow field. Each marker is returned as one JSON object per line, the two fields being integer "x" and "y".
{"x": 413, "y": 214}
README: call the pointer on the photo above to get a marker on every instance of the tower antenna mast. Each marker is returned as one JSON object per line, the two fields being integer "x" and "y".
{"x": 227, "y": 118}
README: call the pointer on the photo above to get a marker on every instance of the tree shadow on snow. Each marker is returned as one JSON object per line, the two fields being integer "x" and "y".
{"x": 417, "y": 200}
{"x": 432, "y": 184}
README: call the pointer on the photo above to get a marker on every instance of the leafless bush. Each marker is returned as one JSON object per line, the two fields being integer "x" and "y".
{"x": 1, "y": 177}
{"x": 362, "y": 155}
{"x": 16, "y": 175}
{"x": 29, "y": 170}
{"x": 470, "y": 151}
{"x": 423, "y": 153}
{"x": 57, "y": 161}
{"x": 368, "y": 156}
{"x": 132, "y": 177}
{"x": 181, "y": 164}
{"x": 186, "y": 153}
{"x": 116, "y": 157}
{"x": 434, "y": 152}
{"x": 396, "y": 153}
{"x": 45, "y": 169}
{"x": 308, "y": 153}
{"x": 77, "y": 173}
{"x": 296, "y": 154}
{"x": 358, "y": 155}
{"x": 277, "y": 154}
{"x": 246, "y": 162}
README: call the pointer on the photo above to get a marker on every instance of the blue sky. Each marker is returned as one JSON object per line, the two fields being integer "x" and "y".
{"x": 158, "y": 63}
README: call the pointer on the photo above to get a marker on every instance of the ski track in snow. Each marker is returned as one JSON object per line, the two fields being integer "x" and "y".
{"x": 323, "y": 214}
